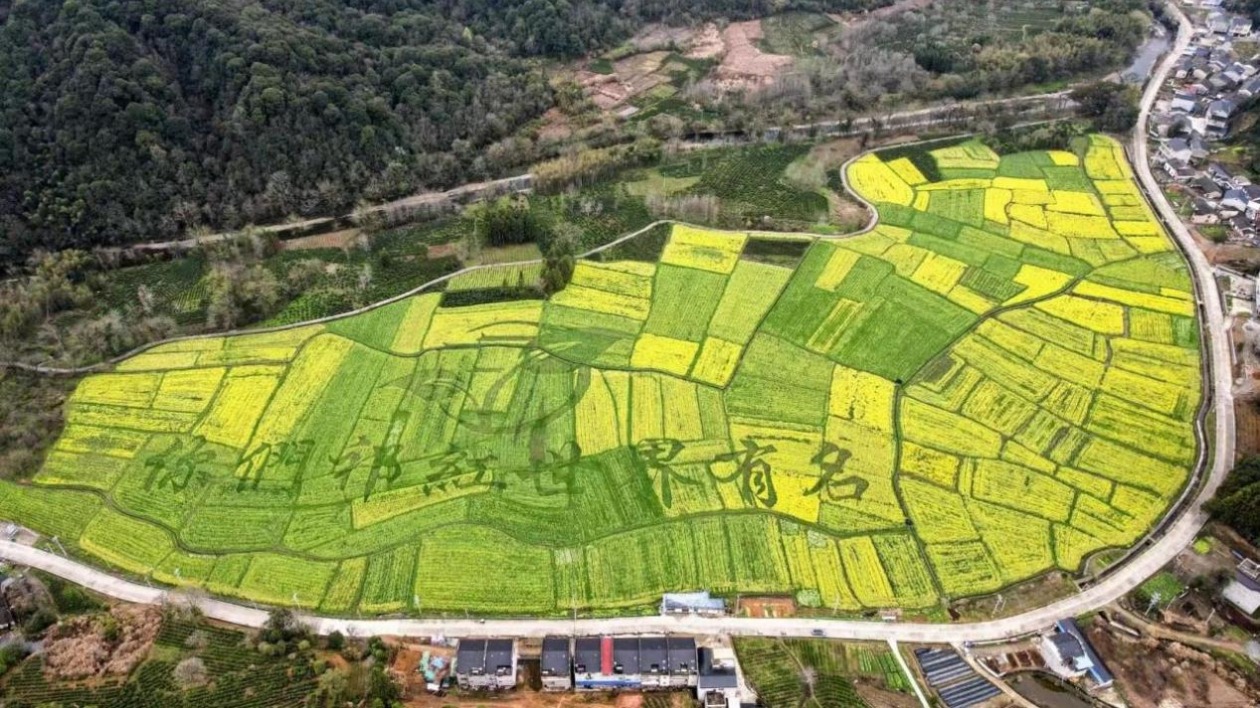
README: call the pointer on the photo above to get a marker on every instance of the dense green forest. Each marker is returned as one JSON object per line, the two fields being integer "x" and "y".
{"x": 123, "y": 120}
{"x": 1237, "y": 501}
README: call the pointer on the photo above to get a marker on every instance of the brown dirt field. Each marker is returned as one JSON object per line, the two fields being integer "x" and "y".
{"x": 332, "y": 239}
{"x": 766, "y": 607}
{"x": 442, "y": 250}
{"x": 1247, "y": 420}
{"x": 1151, "y": 673}
{"x": 631, "y": 76}
{"x": 706, "y": 43}
{"x": 555, "y": 126}
{"x": 744, "y": 66}
{"x": 655, "y": 37}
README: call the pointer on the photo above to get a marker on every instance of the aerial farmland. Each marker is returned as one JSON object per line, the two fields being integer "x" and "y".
{"x": 997, "y": 380}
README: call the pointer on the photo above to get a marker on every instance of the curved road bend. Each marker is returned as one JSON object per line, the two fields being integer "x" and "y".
{"x": 1179, "y": 534}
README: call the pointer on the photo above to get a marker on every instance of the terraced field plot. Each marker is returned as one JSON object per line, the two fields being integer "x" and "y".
{"x": 998, "y": 380}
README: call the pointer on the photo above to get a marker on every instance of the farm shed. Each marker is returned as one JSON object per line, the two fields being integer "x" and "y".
{"x": 692, "y": 603}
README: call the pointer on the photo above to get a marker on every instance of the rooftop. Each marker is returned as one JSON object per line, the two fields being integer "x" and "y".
{"x": 1242, "y": 597}
{"x": 1096, "y": 670}
{"x": 555, "y": 656}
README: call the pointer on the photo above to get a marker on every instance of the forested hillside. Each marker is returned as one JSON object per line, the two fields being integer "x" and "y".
{"x": 123, "y": 120}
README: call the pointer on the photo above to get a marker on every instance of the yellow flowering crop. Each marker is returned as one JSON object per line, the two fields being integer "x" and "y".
{"x": 875, "y": 181}
{"x": 717, "y": 362}
{"x": 190, "y": 390}
{"x": 1063, "y": 158}
{"x": 1028, "y": 213}
{"x": 132, "y": 390}
{"x": 1137, "y": 228}
{"x": 1038, "y": 282}
{"x": 838, "y": 266}
{"x": 1080, "y": 226}
{"x": 949, "y": 432}
{"x": 1021, "y": 184}
{"x": 1076, "y": 203}
{"x": 515, "y": 321}
{"x": 599, "y": 421}
{"x": 716, "y": 251}
{"x": 672, "y": 356}
{"x": 972, "y": 154}
{"x": 1101, "y": 317}
{"x": 935, "y": 466}
{"x": 970, "y": 299}
{"x": 409, "y": 337}
{"x": 864, "y": 398}
{"x": 995, "y": 201}
{"x": 961, "y": 183}
{"x": 615, "y": 278}
{"x": 939, "y": 273}
{"x": 155, "y": 360}
{"x": 865, "y": 572}
{"x": 238, "y": 407}
{"x": 1158, "y": 303}
{"x": 906, "y": 170}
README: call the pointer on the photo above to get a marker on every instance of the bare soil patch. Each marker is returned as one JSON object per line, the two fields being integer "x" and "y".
{"x": 1247, "y": 420}
{"x": 1153, "y": 673}
{"x": 876, "y": 697}
{"x": 766, "y": 607}
{"x": 706, "y": 43}
{"x": 332, "y": 239}
{"x": 745, "y": 66}
{"x": 655, "y": 37}
{"x": 631, "y": 77}
{"x": 556, "y": 126}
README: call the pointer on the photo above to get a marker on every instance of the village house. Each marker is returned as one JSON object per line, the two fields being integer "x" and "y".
{"x": 1203, "y": 212}
{"x": 1208, "y": 188}
{"x": 1177, "y": 149}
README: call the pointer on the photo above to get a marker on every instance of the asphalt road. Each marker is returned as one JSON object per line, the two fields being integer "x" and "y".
{"x": 1162, "y": 550}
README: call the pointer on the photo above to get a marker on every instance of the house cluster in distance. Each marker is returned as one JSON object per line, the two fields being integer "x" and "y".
{"x": 607, "y": 664}
{"x": 1207, "y": 91}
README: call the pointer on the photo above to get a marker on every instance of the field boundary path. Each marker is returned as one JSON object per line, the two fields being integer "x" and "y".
{"x": 1178, "y": 534}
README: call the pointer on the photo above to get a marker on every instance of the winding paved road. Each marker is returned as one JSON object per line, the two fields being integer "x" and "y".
{"x": 1177, "y": 536}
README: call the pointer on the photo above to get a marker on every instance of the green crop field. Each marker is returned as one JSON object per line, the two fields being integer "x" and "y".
{"x": 998, "y": 380}
{"x": 814, "y": 673}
